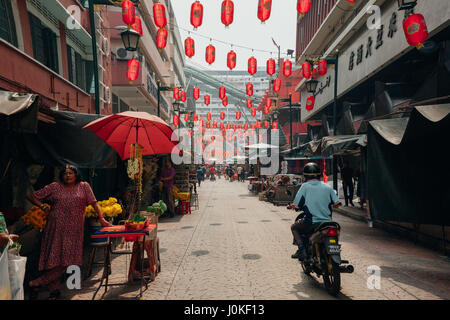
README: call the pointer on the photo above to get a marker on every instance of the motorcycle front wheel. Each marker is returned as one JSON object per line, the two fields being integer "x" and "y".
{"x": 331, "y": 276}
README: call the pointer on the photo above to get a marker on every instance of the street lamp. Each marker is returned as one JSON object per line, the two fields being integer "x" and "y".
{"x": 406, "y": 5}
{"x": 130, "y": 39}
{"x": 159, "y": 93}
{"x": 311, "y": 85}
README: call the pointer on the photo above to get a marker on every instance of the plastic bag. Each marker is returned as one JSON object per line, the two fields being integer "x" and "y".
{"x": 17, "y": 266}
{"x": 5, "y": 287}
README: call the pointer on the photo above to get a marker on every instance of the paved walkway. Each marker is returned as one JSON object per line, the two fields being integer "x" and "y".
{"x": 237, "y": 247}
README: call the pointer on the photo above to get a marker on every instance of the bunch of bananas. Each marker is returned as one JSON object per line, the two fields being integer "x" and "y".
{"x": 36, "y": 217}
{"x": 110, "y": 208}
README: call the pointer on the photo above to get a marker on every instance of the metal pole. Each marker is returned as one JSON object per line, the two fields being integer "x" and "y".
{"x": 335, "y": 182}
{"x": 94, "y": 55}
{"x": 290, "y": 121}
{"x": 159, "y": 97}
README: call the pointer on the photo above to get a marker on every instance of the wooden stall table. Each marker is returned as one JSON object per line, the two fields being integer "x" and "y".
{"x": 138, "y": 236}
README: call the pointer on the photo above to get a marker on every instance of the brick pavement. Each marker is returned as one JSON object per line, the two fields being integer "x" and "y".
{"x": 237, "y": 247}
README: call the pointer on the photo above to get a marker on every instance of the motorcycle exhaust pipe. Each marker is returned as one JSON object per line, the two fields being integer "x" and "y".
{"x": 346, "y": 269}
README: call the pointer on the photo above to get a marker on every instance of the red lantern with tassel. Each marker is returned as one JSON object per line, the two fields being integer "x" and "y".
{"x": 128, "y": 12}
{"x": 268, "y": 103}
{"x": 207, "y": 100}
{"x": 253, "y": 112}
{"x": 310, "y": 103}
{"x": 137, "y": 25}
{"x": 231, "y": 60}
{"x": 266, "y": 124}
{"x": 306, "y": 69}
{"x": 270, "y": 67}
{"x": 133, "y": 70}
{"x": 264, "y": 9}
{"x": 275, "y": 126}
{"x": 183, "y": 96}
{"x": 222, "y": 115}
{"x": 214, "y": 125}
{"x": 186, "y": 117}
{"x": 249, "y": 88}
{"x": 303, "y": 6}
{"x": 246, "y": 126}
{"x": 196, "y": 14}
{"x": 195, "y": 117}
{"x": 196, "y": 93}
{"x": 258, "y": 125}
{"x": 208, "y": 116}
{"x": 222, "y": 92}
{"x": 416, "y": 31}
{"x": 210, "y": 54}
{"x": 161, "y": 38}
{"x": 287, "y": 68}
{"x": 225, "y": 101}
{"x": 159, "y": 15}
{"x": 238, "y": 115}
{"x": 176, "y": 120}
{"x": 252, "y": 65}
{"x": 322, "y": 67}
{"x": 228, "y": 126}
{"x": 176, "y": 93}
{"x": 227, "y": 12}
{"x": 266, "y": 110}
{"x": 189, "y": 47}
{"x": 249, "y": 103}
{"x": 276, "y": 85}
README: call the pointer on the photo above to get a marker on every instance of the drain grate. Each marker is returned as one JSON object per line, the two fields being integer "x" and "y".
{"x": 286, "y": 219}
{"x": 161, "y": 250}
{"x": 161, "y": 230}
{"x": 266, "y": 220}
{"x": 250, "y": 256}
{"x": 215, "y": 224}
{"x": 187, "y": 227}
{"x": 199, "y": 253}
{"x": 242, "y": 222}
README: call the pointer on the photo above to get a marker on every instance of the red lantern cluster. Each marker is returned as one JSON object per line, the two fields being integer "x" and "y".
{"x": 227, "y": 12}
{"x": 133, "y": 70}
{"x": 270, "y": 67}
{"x": 196, "y": 93}
{"x": 287, "y": 68}
{"x": 249, "y": 89}
{"x": 210, "y": 54}
{"x": 128, "y": 12}
{"x": 252, "y": 65}
{"x": 189, "y": 47}
{"x": 264, "y": 9}
{"x": 196, "y": 14}
{"x": 303, "y": 6}
{"x": 161, "y": 38}
{"x": 415, "y": 30}
{"x": 231, "y": 60}
{"x": 276, "y": 85}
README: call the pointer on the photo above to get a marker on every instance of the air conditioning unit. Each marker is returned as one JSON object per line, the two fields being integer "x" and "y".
{"x": 123, "y": 54}
{"x": 106, "y": 47}
{"x": 108, "y": 94}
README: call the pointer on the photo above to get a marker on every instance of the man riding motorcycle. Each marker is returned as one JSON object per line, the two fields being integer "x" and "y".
{"x": 315, "y": 198}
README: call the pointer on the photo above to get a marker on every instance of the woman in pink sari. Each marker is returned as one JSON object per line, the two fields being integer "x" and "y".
{"x": 62, "y": 239}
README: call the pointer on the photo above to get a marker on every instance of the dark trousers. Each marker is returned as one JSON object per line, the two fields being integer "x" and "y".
{"x": 301, "y": 231}
{"x": 348, "y": 191}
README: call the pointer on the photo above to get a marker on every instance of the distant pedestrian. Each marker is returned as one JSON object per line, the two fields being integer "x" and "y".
{"x": 239, "y": 173}
{"x": 199, "y": 175}
{"x": 347, "y": 174}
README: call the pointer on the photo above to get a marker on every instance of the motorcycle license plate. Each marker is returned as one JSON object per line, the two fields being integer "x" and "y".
{"x": 333, "y": 248}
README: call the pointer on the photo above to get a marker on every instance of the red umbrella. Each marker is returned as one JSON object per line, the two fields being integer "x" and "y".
{"x": 119, "y": 131}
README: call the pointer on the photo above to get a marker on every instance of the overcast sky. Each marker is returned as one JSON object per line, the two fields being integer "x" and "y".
{"x": 246, "y": 30}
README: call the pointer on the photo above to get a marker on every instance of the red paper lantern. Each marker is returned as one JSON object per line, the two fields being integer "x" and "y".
{"x": 228, "y": 126}
{"x": 231, "y": 60}
{"x": 128, "y": 12}
{"x": 258, "y": 125}
{"x": 249, "y": 88}
{"x": 222, "y": 127}
{"x": 253, "y": 126}
{"x": 195, "y": 117}
{"x": 222, "y": 92}
{"x": 176, "y": 93}
{"x": 249, "y": 103}
{"x": 189, "y": 47}
{"x": 234, "y": 128}
{"x": 306, "y": 69}
{"x": 239, "y": 128}
{"x": 253, "y": 111}
{"x": 214, "y": 125}
{"x": 238, "y": 115}
{"x": 264, "y": 9}
{"x": 246, "y": 126}
{"x": 133, "y": 70}
{"x": 176, "y": 120}
{"x": 196, "y": 93}
{"x": 275, "y": 126}
{"x": 270, "y": 67}
{"x": 196, "y": 14}
{"x": 186, "y": 117}
{"x": 222, "y": 115}
{"x": 322, "y": 67}
{"x": 415, "y": 29}
{"x": 137, "y": 25}
{"x": 208, "y": 116}
{"x": 276, "y": 85}
{"x": 183, "y": 96}
{"x": 159, "y": 15}
{"x": 303, "y": 6}
{"x": 161, "y": 38}
{"x": 287, "y": 68}
{"x": 266, "y": 110}
{"x": 225, "y": 101}
{"x": 266, "y": 124}
{"x": 310, "y": 103}
{"x": 227, "y": 12}
{"x": 208, "y": 124}
{"x": 268, "y": 103}
{"x": 314, "y": 73}
{"x": 252, "y": 65}
{"x": 210, "y": 54}
{"x": 207, "y": 100}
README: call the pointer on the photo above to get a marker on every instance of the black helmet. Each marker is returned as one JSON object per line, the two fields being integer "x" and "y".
{"x": 311, "y": 170}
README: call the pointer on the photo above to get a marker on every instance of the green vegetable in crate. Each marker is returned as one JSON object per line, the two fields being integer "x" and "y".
{"x": 158, "y": 208}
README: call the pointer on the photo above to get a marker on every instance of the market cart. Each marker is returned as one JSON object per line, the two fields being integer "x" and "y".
{"x": 139, "y": 237}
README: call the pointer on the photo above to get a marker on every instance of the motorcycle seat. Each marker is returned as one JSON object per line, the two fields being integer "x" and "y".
{"x": 327, "y": 224}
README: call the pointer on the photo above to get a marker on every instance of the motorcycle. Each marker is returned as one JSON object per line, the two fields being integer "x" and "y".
{"x": 324, "y": 256}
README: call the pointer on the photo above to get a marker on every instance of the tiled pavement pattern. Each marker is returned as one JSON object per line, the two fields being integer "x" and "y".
{"x": 237, "y": 247}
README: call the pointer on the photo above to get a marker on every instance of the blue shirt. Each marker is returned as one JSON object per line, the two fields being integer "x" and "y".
{"x": 315, "y": 199}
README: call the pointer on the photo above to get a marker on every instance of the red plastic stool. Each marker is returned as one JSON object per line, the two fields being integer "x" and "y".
{"x": 185, "y": 207}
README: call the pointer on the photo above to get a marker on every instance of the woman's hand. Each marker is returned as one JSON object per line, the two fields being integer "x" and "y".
{"x": 14, "y": 237}
{"x": 105, "y": 223}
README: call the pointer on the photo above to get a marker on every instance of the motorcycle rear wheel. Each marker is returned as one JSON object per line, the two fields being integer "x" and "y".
{"x": 306, "y": 270}
{"x": 332, "y": 280}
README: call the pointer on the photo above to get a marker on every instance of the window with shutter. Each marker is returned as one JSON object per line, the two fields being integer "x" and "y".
{"x": 7, "y": 26}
